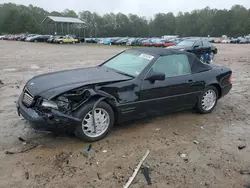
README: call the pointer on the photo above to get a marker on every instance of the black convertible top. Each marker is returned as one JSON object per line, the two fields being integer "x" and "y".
{"x": 195, "y": 63}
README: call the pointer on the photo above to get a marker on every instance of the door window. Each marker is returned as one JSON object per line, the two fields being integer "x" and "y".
{"x": 172, "y": 65}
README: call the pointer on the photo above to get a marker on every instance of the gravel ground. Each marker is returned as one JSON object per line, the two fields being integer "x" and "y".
{"x": 61, "y": 161}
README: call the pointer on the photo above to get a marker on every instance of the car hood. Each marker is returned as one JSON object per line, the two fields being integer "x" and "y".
{"x": 55, "y": 83}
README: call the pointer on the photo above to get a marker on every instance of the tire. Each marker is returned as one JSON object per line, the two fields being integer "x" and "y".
{"x": 200, "y": 103}
{"x": 83, "y": 114}
{"x": 61, "y": 42}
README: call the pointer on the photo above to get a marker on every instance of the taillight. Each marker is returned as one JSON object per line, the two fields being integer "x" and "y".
{"x": 230, "y": 78}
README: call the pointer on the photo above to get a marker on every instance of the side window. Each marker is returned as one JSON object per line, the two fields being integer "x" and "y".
{"x": 172, "y": 65}
{"x": 199, "y": 43}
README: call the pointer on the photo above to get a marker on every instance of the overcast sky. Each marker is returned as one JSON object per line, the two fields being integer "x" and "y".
{"x": 141, "y": 7}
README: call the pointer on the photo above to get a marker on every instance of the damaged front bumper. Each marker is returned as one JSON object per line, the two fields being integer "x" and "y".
{"x": 51, "y": 121}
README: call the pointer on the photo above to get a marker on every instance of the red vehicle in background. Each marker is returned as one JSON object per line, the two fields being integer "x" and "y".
{"x": 169, "y": 43}
{"x": 147, "y": 42}
{"x": 172, "y": 42}
{"x": 158, "y": 42}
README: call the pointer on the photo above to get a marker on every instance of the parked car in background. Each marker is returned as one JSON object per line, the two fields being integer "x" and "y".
{"x": 243, "y": 41}
{"x": 23, "y": 37}
{"x": 110, "y": 41}
{"x": 40, "y": 38}
{"x": 16, "y": 37}
{"x": 29, "y": 37}
{"x": 66, "y": 40}
{"x": 147, "y": 42}
{"x": 134, "y": 84}
{"x": 130, "y": 41}
{"x": 106, "y": 41}
{"x": 226, "y": 41}
{"x": 91, "y": 40}
{"x": 137, "y": 42}
{"x": 171, "y": 42}
{"x": 197, "y": 46}
{"x": 235, "y": 40}
{"x": 52, "y": 38}
{"x": 10, "y": 37}
{"x": 158, "y": 42}
{"x": 122, "y": 41}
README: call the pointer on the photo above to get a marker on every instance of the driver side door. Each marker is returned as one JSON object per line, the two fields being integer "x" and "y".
{"x": 176, "y": 92}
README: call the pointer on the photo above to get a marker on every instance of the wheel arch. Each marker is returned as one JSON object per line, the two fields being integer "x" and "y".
{"x": 218, "y": 87}
{"x": 110, "y": 102}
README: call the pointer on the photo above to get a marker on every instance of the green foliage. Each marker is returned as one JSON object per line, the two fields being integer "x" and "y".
{"x": 69, "y": 13}
{"x": 234, "y": 22}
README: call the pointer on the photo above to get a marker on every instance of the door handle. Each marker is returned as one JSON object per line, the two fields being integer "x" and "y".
{"x": 190, "y": 81}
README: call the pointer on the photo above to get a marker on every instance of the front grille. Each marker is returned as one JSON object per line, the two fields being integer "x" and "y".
{"x": 28, "y": 99}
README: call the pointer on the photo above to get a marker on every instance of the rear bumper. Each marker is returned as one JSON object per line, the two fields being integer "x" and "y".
{"x": 225, "y": 90}
{"x": 53, "y": 121}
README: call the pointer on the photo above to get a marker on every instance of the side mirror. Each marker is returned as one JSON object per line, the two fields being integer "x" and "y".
{"x": 156, "y": 76}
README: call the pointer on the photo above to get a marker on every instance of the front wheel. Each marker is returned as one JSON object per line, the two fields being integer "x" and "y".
{"x": 104, "y": 120}
{"x": 207, "y": 100}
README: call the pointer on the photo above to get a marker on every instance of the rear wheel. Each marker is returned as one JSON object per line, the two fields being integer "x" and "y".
{"x": 104, "y": 120}
{"x": 207, "y": 100}
{"x": 61, "y": 42}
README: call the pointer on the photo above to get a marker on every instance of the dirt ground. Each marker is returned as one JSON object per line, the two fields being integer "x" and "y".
{"x": 61, "y": 161}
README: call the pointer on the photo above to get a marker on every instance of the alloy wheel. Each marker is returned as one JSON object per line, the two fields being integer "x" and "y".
{"x": 102, "y": 120}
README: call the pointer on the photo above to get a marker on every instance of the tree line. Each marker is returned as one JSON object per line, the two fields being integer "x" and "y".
{"x": 214, "y": 22}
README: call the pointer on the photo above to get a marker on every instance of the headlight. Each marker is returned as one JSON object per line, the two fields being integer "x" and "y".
{"x": 49, "y": 104}
{"x": 63, "y": 104}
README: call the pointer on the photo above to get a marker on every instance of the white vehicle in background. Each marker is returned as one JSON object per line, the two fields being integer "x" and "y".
{"x": 1, "y": 37}
{"x": 168, "y": 37}
{"x": 226, "y": 41}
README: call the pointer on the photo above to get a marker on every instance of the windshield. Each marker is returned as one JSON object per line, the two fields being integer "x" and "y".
{"x": 186, "y": 43}
{"x": 130, "y": 63}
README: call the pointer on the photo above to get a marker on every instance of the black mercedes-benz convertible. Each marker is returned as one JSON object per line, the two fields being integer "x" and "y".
{"x": 133, "y": 84}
